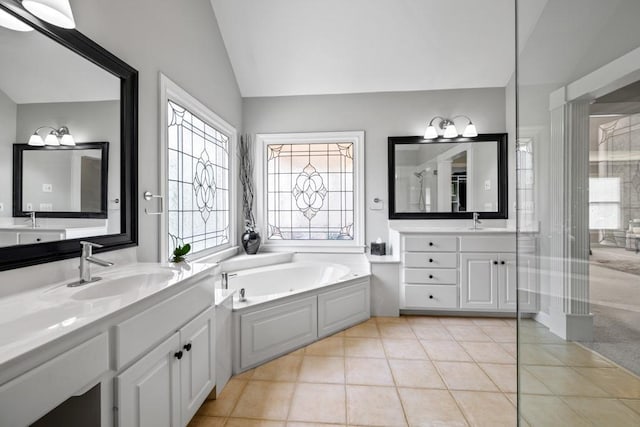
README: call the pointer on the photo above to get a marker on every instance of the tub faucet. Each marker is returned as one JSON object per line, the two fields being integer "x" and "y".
{"x": 225, "y": 279}
{"x": 476, "y": 221}
{"x": 86, "y": 259}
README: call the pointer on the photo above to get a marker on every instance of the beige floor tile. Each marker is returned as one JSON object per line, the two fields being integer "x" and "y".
{"x": 367, "y": 371}
{"x": 573, "y": 355}
{"x": 546, "y": 411}
{"x": 486, "y": 409}
{"x": 532, "y": 354}
{"x": 384, "y": 319}
{"x": 396, "y": 330}
{"x": 364, "y": 347}
{"x": 431, "y": 408}
{"x": 488, "y": 352}
{"x": 468, "y": 333}
{"x": 564, "y": 381}
{"x": 530, "y": 384}
{"x": 298, "y": 352}
{"x": 284, "y": 368}
{"x": 368, "y": 329}
{"x": 448, "y": 351}
{"x": 374, "y": 406}
{"x": 432, "y": 333}
{"x": 245, "y": 422}
{"x": 504, "y": 376}
{"x": 245, "y": 376}
{"x": 403, "y": 349}
{"x": 321, "y": 369}
{"x": 511, "y": 348}
{"x": 513, "y": 398}
{"x": 323, "y": 403}
{"x": 302, "y": 424}
{"x": 500, "y": 333}
{"x": 332, "y": 346}
{"x": 203, "y": 421}
{"x": 464, "y": 376}
{"x": 456, "y": 321}
{"x": 264, "y": 399}
{"x": 603, "y": 412}
{"x": 424, "y": 321}
{"x": 490, "y": 321}
{"x": 633, "y": 404}
{"x": 415, "y": 373}
{"x": 615, "y": 381}
{"x": 224, "y": 403}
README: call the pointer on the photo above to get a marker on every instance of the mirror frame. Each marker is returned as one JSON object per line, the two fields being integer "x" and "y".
{"x": 18, "y": 171}
{"x": 503, "y": 177}
{"x": 25, "y": 255}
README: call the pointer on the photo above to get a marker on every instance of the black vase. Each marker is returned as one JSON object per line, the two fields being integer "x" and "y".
{"x": 251, "y": 242}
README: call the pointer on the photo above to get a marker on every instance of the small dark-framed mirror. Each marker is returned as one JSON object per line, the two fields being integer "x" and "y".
{"x": 81, "y": 172}
{"x": 94, "y": 95}
{"x": 448, "y": 178}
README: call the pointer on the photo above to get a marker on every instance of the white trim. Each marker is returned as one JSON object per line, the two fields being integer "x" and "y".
{"x": 170, "y": 90}
{"x": 355, "y": 137}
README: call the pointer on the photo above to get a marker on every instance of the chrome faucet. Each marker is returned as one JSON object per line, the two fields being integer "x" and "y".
{"x": 32, "y": 218}
{"x": 476, "y": 221}
{"x": 86, "y": 259}
{"x": 225, "y": 279}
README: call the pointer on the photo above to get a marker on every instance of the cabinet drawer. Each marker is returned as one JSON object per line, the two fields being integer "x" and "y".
{"x": 430, "y": 296}
{"x": 431, "y": 259}
{"x": 501, "y": 243}
{"x": 430, "y": 243}
{"x": 443, "y": 276}
{"x": 27, "y": 238}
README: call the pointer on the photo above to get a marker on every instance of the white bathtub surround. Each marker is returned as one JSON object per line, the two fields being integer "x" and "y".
{"x": 56, "y": 342}
{"x": 243, "y": 261}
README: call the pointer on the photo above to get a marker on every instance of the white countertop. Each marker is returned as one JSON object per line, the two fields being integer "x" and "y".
{"x": 32, "y": 319}
{"x": 452, "y": 230}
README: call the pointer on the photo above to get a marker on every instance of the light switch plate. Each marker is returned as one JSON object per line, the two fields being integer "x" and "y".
{"x": 487, "y": 185}
{"x": 47, "y": 188}
{"x": 30, "y": 206}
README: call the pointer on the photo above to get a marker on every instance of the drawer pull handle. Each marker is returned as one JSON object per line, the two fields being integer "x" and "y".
{"x": 187, "y": 346}
{"x": 431, "y": 276}
{"x": 502, "y": 262}
{"x": 178, "y": 355}
{"x": 495, "y": 262}
{"x": 430, "y": 259}
{"x": 430, "y": 296}
{"x": 430, "y": 243}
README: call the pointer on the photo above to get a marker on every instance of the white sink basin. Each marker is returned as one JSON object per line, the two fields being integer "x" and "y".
{"x": 136, "y": 283}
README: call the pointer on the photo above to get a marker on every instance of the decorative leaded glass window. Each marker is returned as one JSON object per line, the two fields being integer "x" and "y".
{"x": 198, "y": 181}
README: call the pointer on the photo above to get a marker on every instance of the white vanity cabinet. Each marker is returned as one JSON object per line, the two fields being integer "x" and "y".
{"x": 167, "y": 386}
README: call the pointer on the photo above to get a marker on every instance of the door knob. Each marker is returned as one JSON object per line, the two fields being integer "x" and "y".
{"x": 178, "y": 355}
{"x": 430, "y": 296}
{"x": 187, "y": 346}
{"x": 495, "y": 262}
{"x": 502, "y": 262}
{"x": 431, "y": 276}
{"x": 430, "y": 243}
{"x": 430, "y": 259}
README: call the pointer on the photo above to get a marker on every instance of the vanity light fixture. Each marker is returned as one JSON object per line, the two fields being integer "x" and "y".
{"x": 11, "y": 22}
{"x": 56, "y": 137}
{"x": 449, "y": 128}
{"x": 56, "y": 12}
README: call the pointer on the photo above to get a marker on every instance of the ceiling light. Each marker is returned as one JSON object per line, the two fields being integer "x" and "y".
{"x": 11, "y": 22}
{"x": 56, "y": 12}
{"x": 449, "y": 128}
{"x": 60, "y": 136}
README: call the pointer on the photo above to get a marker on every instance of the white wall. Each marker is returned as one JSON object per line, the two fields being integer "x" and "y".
{"x": 8, "y": 113}
{"x": 380, "y": 115}
{"x": 180, "y": 39}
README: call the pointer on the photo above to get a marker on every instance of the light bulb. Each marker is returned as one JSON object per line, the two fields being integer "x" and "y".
{"x": 431, "y": 132}
{"x": 67, "y": 139}
{"x": 51, "y": 139}
{"x": 36, "y": 140}
{"x": 450, "y": 131}
{"x": 470, "y": 131}
{"x": 11, "y": 22}
{"x": 56, "y": 12}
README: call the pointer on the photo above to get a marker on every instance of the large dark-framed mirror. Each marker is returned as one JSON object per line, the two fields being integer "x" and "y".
{"x": 448, "y": 178}
{"x": 98, "y": 101}
{"x": 80, "y": 170}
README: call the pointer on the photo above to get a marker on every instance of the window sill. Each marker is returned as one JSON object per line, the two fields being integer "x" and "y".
{"x": 313, "y": 248}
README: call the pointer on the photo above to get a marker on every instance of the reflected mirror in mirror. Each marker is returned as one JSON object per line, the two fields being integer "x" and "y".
{"x": 45, "y": 85}
{"x": 447, "y": 178}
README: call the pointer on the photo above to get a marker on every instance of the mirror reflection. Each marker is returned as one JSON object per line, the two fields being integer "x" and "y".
{"x": 66, "y": 101}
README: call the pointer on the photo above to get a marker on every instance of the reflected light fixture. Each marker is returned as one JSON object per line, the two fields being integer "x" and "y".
{"x": 56, "y": 137}
{"x": 449, "y": 128}
{"x": 56, "y": 12}
{"x": 11, "y": 22}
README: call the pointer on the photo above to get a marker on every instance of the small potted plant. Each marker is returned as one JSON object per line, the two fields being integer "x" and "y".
{"x": 250, "y": 238}
{"x": 180, "y": 252}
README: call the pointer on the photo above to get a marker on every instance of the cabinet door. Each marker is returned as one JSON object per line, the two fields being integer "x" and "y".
{"x": 507, "y": 282}
{"x": 479, "y": 281}
{"x": 148, "y": 393}
{"x": 197, "y": 367}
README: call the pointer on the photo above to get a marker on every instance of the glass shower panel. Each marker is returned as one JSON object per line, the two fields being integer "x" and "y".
{"x": 577, "y": 88}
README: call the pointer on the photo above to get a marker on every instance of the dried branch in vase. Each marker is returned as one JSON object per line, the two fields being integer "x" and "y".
{"x": 245, "y": 151}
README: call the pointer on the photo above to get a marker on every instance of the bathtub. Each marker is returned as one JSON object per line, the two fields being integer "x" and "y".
{"x": 291, "y": 305}
{"x": 263, "y": 284}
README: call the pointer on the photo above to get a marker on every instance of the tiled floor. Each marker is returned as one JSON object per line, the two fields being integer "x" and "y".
{"x": 417, "y": 371}
{"x": 430, "y": 371}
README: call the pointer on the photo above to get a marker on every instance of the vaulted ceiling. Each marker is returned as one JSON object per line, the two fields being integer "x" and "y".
{"x": 299, "y": 47}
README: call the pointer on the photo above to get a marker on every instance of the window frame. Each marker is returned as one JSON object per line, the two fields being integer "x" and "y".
{"x": 170, "y": 91}
{"x": 357, "y": 245}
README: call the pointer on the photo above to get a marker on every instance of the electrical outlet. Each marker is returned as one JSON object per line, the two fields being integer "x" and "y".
{"x": 487, "y": 185}
{"x": 47, "y": 188}
{"x": 30, "y": 207}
